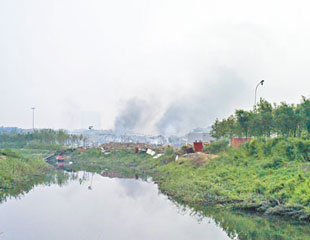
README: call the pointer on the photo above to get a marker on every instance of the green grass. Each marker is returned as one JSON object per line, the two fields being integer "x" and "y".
{"x": 19, "y": 173}
{"x": 262, "y": 175}
{"x": 275, "y": 171}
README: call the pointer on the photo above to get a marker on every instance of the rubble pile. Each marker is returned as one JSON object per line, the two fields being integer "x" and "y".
{"x": 95, "y": 138}
{"x": 114, "y": 146}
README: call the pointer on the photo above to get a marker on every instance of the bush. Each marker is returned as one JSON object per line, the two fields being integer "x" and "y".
{"x": 42, "y": 145}
{"x": 169, "y": 150}
{"x": 169, "y": 155}
{"x": 275, "y": 163}
{"x": 216, "y": 147}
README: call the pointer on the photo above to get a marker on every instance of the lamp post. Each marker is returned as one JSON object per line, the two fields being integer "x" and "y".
{"x": 33, "y": 108}
{"x": 260, "y": 83}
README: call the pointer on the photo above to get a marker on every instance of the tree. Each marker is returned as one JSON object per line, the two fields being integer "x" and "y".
{"x": 285, "y": 119}
{"x": 265, "y": 118}
{"x": 230, "y": 126}
{"x": 243, "y": 122}
{"x": 217, "y": 130}
{"x": 305, "y": 111}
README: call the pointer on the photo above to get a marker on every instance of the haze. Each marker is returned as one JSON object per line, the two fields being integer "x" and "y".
{"x": 147, "y": 66}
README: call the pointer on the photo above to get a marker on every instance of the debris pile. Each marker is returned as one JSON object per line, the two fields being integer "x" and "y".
{"x": 113, "y": 146}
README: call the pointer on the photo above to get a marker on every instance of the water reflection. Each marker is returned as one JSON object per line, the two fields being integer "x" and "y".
{"x": 114, "y": 209}
{"x": 63, "y": 207}
{"x": 54, "y": 177}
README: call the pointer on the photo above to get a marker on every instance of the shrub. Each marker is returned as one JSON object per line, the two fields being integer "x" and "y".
{"x": 275, "y": 163}
{"x": 169, "y": 150}
{"x": 216, "y": 147}
{"x": 169, "y": 155}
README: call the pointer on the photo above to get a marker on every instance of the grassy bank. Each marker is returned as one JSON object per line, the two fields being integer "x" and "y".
{"x": 184, "y": 181}
{"x": 19, "y": 173}
{"x": 269, "y": 176}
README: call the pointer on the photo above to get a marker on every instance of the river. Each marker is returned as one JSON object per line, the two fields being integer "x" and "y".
{"x": 86, "y": 206}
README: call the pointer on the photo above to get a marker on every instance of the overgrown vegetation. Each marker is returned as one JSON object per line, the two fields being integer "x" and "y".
{"x": 181, "y": 180}
{"x": 19, "y": 173}
{"x": 266, "y": 120}
{"x": 270, "y": 176}
{"x": 216, "y": 147}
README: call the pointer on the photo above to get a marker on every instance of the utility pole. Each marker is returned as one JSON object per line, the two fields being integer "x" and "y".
{"x": 260, "y": 83}
{"x": 33, "y": 108}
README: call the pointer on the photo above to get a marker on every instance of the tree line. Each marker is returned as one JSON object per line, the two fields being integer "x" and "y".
{"x": 48, "y": 136}
{"x": 266, "y": 119}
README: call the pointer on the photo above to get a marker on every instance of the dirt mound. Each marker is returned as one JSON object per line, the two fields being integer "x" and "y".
{"x": 199, "y": 159}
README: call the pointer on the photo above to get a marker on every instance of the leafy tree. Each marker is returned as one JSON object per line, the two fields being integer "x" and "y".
{"x": 285, "y": 119}
{"x": 224, "y": 129}
{"x": 265, "y": 118}
{"x": 217, "y": 130}
{"x": 230, "y": 127}
{"x": 243, "y": 122}
{"x": 305, "y": 110}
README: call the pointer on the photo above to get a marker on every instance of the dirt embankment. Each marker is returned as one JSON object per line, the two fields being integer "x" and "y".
{"x": 198, "y": 159}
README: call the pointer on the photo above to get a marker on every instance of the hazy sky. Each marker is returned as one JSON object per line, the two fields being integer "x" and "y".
{"x": 189, "y": 61}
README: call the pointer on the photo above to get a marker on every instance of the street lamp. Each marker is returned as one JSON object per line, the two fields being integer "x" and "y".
{"x": 260, "y": 83}
{"x": 33, "y": 108}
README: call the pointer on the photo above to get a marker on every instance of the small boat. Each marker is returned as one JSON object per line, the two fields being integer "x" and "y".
{"x": 60, "y": 158}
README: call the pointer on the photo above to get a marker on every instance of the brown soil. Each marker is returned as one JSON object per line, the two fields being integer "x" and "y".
{"x": 199, "y": 159}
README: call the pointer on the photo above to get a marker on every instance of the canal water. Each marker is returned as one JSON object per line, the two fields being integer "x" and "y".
{"x": 88, "y": 206}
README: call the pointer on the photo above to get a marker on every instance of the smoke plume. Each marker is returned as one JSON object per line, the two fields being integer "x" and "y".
{"x": 203, "y": 104}
{"x": 133, "y": 116}
{"x": 198, "y": 107}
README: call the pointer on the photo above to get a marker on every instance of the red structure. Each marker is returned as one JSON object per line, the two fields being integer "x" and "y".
{"x": 60, "y": 164}
{"x": 60, "y": 158}
{"x": 236, "y": 141}
{"x": 198, "y": 146}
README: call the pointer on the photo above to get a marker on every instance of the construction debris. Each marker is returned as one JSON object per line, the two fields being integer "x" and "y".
{"x": 158, "y": 155}
{"x": 112, "y": 147}
{"x": 137, "y": 147}
{"x": 150, "y": 152}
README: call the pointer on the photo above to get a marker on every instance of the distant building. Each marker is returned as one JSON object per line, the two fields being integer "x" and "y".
{"x": 199, "y": 134}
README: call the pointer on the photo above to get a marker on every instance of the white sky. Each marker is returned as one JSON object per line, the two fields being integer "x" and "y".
{"x": 66, "y": 57}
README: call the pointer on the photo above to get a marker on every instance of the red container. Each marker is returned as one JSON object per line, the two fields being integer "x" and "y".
{"x": 236, "y": 141}
{"x": 198, "y": 146}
